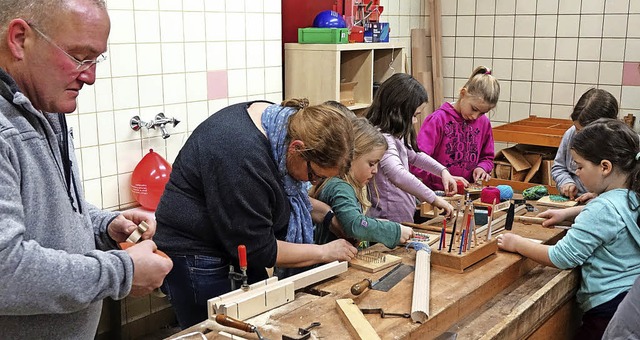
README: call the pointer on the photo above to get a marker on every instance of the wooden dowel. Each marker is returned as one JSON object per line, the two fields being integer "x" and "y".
{"x": 537, "y": 220}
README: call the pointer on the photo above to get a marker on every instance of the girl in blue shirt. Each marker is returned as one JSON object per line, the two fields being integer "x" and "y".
{"x": 604, "y": 238}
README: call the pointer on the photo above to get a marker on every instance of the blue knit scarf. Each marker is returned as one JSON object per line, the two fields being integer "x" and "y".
{"x": 274, "y": 121}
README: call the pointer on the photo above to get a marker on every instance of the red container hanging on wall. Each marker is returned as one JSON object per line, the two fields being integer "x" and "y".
{"x": 148, "y": 180}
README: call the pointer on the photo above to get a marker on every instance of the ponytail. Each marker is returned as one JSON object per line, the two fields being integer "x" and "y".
{"x": 483, "y": 85}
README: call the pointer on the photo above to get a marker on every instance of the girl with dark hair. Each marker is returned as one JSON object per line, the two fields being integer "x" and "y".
{"x": 395, "y": 106}
{"x": 604, "y": 239}
{"x": 592, "y": 105}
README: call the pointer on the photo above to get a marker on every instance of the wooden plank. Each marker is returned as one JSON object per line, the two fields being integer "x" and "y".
{"x": 359, "y": 327}
{"x": 546, "y": 200}
{"x": 531, "y": 129}
{"x": 317, "y": 274}
{"x": 519, "y": 308}
{"x": 436, "y": 51}
{"x": 527, "y": 138}
{"x": 269, "y": 294}
{"x": 536, "y": 309}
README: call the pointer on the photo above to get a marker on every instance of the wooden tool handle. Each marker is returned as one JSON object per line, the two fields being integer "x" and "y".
{"x": 233, "y": 323}
{"x": 360, "y": 287}
{"x": 242, "y": 256}
{"x": 537, "y": 220}
{"x": 125, "y": 245}
{"x": 530, "y": 220}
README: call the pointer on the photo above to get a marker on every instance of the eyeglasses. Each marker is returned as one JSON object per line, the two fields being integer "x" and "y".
{"x": 311, "y": 175}
{"x": 81, "y": 65}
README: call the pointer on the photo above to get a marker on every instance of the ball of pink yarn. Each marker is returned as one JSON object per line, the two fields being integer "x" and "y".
{"x": 489, "y": 194}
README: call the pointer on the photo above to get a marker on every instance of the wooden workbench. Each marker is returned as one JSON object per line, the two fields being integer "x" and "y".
{"x": 504, "y": 296}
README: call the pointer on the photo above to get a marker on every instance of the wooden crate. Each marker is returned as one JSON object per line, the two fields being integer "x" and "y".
{"x": 459, "y": 262}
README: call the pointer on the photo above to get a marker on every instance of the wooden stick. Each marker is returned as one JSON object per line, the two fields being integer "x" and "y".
{"x": 493, "y": 207}
{"x": 455, "y": 223}
{"x": 475, "y": 234}
{"x": 421, "y": 287}
{"x": 464, "y": 221}
{"x": 537, "y": 220}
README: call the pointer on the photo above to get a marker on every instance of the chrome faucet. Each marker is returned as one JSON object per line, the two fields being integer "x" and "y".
{"x": 160, "y": 121}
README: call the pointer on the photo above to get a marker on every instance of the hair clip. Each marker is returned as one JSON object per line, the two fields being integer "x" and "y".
{"x": 488, "y": 72}
{"x": 638, "y": 156}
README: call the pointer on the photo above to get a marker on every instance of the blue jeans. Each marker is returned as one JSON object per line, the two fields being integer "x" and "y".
{"x": 193, "y": 280}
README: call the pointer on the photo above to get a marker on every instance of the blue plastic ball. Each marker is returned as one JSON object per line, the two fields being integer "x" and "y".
{"x": 506, "y": 192}
{"x": 329, "y": 19}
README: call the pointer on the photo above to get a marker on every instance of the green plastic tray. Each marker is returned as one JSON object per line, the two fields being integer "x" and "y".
{"x": 313, "y": 35}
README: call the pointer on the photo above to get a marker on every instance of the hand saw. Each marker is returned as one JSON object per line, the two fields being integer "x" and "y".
{"x": 386, "y": 282}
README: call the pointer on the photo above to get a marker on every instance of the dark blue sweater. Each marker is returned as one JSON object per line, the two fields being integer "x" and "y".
{"x": 224, "y": 190}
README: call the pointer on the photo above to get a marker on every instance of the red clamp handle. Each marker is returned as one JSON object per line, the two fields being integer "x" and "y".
{"x": 242, "y": 256}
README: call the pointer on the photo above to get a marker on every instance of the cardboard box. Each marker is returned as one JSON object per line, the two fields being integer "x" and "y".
{"x": 522, "y": 162}
{"x": 545, "y": 170}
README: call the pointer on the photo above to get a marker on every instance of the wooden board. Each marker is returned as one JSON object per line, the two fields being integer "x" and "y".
{"x": 548, "y": 202}
{"x": 270, "y": 293}
{"x": 371, "y": 266}
{"x": 435, "y": 16}
{"x": 527, "y": 303}
{"x": 358, "y": 326}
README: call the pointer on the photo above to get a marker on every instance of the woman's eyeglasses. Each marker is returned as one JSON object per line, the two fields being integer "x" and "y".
{"x": 311, "y": 175}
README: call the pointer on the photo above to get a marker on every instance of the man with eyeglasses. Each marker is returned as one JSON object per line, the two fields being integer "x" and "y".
{"x": 58, "y": 257}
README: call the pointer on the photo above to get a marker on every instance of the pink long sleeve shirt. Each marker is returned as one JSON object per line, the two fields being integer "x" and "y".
{"x": 397, "y": 188}
{"x": 459, "y": 145}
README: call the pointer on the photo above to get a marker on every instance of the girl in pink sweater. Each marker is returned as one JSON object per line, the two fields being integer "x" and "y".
{"x": 459, "y": 134}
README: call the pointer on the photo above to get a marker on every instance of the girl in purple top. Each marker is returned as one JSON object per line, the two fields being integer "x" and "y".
{"x": 395, "y": 106}
{"x": 459, "y": 135}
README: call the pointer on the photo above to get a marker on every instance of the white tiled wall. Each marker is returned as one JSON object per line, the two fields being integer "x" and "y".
{"x": 160, "y": 52}
{"x": 546, "y": 53}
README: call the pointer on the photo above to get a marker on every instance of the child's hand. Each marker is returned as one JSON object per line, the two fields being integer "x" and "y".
{"x": 439, "y": 202}
{"x": 406, "y": 233}
{"x": 461, "y": 179}
{"x": 509, "y": 242}
{"x": 480, "y": 174}
{"x": 570, "y": 190}
{"x": 584, "y": 198}
{"x": 553, "y": 217}
{"x": 449, "y": 183}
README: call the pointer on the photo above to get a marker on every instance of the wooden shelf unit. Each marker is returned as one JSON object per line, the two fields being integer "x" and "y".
{"x": 533, "y": 131}
{"x": 315, "y": 71}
